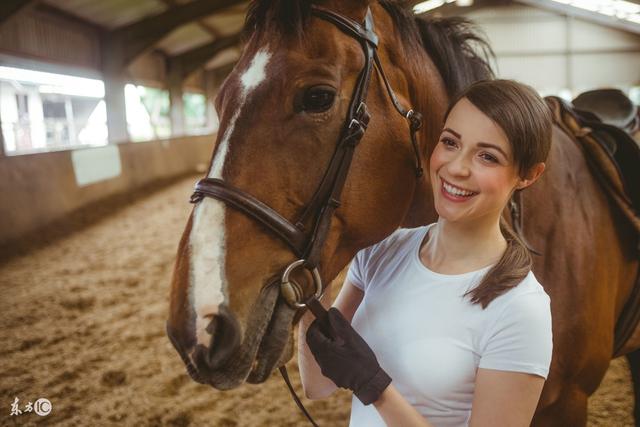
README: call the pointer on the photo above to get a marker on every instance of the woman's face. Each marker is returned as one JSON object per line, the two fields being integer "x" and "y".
{"x": 472, "y": 169}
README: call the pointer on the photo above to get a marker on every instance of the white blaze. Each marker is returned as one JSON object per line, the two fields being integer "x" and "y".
{"x": 255, "y": 73}
{"x": 207, "y": 238}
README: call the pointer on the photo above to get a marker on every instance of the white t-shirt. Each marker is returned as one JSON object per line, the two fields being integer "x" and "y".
{"x": 431, "y": 340}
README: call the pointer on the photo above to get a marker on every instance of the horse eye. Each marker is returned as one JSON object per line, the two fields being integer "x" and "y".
{"x": 318, "y": 99}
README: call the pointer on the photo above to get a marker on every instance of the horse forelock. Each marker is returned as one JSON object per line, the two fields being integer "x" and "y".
{"x": 287, "y": 17}
{"x": 290, "y": 17}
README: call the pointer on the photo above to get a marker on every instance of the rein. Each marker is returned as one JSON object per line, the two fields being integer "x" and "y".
{"x": 306, "y": 241}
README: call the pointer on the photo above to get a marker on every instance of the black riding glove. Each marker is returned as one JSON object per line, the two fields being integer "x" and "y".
{"x": 345, "y": 358}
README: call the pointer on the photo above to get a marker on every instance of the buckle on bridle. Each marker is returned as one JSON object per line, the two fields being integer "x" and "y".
{"x": 291, "y": 291}
{"x": 415, "y": 120}
{"x": 360, "y": 116}
{"x": 196, "y": 197}
{"x": 354, "y": 123}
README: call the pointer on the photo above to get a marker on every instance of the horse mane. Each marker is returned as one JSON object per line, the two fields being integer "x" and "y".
{"x": 460, "y": 52}
{"x": 457, "y": 48}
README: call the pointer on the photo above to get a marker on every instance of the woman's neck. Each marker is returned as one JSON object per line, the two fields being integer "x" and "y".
{"x": 456, "y": 248}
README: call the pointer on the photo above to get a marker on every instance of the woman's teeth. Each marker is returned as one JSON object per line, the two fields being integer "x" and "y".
{"x": 456, "y": 191}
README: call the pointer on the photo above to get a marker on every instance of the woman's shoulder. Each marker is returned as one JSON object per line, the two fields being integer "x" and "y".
{"x": 528, "y": 295}
{"x": 530, "y": 285}
{"x": 400, "y": 238}
{"x": 381, "y": 256}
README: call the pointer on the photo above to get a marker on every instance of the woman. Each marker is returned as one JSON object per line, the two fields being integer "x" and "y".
{"x": 446, "y": 325}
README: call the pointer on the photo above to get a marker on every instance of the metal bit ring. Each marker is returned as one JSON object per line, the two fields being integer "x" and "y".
{"x": 291, "y": 291}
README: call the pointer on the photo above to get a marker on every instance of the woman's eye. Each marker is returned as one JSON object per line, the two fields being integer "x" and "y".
{"x": 448, "y": 142}
{"x": 489, "y": 157}
{"x": 318, "y": 99}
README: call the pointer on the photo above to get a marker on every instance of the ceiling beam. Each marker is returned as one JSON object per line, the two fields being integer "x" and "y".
{"x": 195, "y": 58}
{"x": 587, "y": 15}
{"x": 9, "y": 8}
{"x": 137, "y": 37}
{"x": 56, "y": 12}
{"x": 201, "y": 22}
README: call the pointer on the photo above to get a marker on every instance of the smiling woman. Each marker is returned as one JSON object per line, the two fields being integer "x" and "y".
{"x": 484, "y": 334}
{"x": 495, "y": 139}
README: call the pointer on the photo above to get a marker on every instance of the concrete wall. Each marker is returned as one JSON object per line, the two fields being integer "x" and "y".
{"x": 553, "y": 52}
{"x": 38, "y": 189}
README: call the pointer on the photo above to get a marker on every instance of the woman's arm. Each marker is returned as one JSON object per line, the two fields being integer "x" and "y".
{"x": 397, "y": 412}
{"x": 501, "y": 398}
{"x": 316, "y": 385}
{"x": 516, "y": 394}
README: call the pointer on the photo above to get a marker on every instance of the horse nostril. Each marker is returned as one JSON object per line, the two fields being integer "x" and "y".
{"x": 225, "y": 337}
{"x": 191, "y": 370}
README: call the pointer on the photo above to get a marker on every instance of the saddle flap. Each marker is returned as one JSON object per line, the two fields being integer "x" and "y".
{"x": 611, "y": 154}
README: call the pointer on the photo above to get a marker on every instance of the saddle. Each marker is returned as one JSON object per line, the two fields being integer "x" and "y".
{"x": 611, "y": 153}
{"x": 611, "y": 106}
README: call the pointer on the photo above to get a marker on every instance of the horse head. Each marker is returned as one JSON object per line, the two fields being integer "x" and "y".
{"x": 283, "y": 112}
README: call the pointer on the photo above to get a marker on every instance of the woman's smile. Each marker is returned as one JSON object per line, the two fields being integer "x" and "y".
{"x": 455, "y": 193}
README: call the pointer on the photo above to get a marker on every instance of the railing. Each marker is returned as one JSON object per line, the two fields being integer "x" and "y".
{"x": 49, "y": 135}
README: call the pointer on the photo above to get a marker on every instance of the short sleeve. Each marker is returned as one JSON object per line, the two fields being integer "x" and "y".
{"x": 356, "y": 275}
{"x": 521, "y": 338}
{"x": 373, "y": 259}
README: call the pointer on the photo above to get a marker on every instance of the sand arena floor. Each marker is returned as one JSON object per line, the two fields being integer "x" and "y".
{"x": 83, "y": 326}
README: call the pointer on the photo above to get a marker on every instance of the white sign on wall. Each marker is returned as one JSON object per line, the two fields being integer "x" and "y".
{"x": 92, "y": 165}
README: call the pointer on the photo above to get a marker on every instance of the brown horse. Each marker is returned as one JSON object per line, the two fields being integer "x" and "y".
{"x": 281, "y": 112}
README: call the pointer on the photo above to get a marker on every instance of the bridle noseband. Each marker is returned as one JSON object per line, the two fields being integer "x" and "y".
{"x": 307, "y": 241}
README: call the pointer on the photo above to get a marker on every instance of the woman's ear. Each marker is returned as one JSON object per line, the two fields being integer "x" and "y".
{"x": 531, "y": 177}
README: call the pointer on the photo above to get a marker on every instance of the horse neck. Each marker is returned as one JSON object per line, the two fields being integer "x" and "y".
{"x": 423, "y": 89}
{"x": 428, "y": 96}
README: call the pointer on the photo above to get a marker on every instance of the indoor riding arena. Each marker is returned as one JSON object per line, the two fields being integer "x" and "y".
{"x": 110, "y": 114}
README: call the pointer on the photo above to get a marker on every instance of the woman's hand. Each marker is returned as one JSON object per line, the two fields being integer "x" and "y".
{"x": 345, "y": 358}
{"x": 316, "y": 385}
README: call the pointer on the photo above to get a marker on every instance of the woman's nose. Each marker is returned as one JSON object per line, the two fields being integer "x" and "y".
{"x": 459, "y": 166}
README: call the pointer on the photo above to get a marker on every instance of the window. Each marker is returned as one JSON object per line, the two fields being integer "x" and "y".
{"x": 41, "y": 111}
{"x": 147, "y": 113}
{"x": 195, "y": 113}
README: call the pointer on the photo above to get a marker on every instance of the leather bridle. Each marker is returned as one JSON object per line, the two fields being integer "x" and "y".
{"x": 306, "y": 236}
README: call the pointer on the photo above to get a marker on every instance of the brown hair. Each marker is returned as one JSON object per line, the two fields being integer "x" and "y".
{"x": 527, "y": 122}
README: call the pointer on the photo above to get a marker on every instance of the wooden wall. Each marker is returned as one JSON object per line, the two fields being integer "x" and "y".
{"x": 53, "y": 38}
